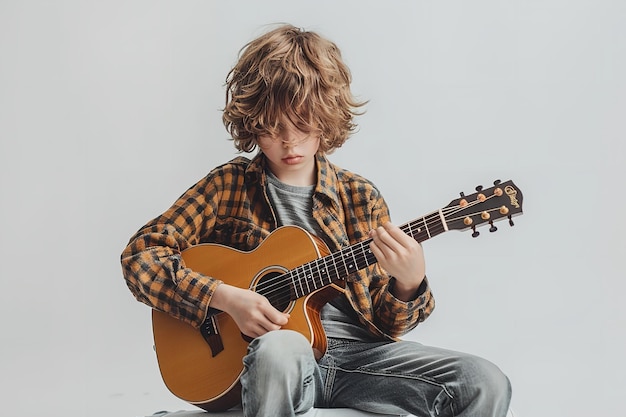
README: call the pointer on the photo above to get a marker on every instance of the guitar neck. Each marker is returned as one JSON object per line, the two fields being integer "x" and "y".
{"x": 502, "y": 201}
{"x": 323, "y": 271}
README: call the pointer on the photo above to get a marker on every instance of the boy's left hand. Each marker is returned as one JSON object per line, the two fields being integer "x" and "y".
{"x": 401, "y": 256}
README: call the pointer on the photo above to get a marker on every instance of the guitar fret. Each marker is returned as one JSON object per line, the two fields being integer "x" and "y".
{"x": 308, "y": 277}
{"x": 356, "y": 264}
{"x": 293, "y": 283}
{"x": 335, "y": 269}
{"x": 300, "y": 270}
{"x": 323, "y": 271}
{"x": 357, "y": 258}
{"x": 349, "y": 267}
{"x": 345, "y": 267}
{"x": 330, "y": 270}
{"x": 320, "y": 273}
{"x": 303, "y": 280}
{"x": 426, "y": 226}
{"x": 409, "y": 230}
{"x": 341, "y": 265}
{"x": 366, "y": 261}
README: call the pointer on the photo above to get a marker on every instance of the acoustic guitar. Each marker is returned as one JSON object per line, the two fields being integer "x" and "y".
{"x": 298, "y": 274}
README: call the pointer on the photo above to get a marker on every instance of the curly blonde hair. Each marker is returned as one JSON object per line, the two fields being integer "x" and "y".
{"x": 289, "y": 75}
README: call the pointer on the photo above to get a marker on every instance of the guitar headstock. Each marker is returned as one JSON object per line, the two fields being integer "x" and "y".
{"x": 485, "y": 206}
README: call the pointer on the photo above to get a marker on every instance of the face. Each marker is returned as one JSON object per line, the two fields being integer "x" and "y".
{"x": 291, "y": 155}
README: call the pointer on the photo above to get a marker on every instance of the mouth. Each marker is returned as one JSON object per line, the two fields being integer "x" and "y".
{"x": 292, "y": 159}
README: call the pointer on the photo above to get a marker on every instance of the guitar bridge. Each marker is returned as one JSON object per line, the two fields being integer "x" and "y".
{"x": 211, "y": 335}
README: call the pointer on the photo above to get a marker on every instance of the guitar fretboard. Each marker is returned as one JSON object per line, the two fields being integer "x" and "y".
{"x": 324, "y": 271}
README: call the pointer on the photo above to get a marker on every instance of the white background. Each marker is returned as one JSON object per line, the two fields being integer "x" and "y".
{"x": 110, "y": 110}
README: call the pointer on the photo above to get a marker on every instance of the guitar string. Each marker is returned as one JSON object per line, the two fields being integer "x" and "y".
{"x": 338, "y": 258}
{"x": 359, "y": 254}
{"x": 315, "y": 266}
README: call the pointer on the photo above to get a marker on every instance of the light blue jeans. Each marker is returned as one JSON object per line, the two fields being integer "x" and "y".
{"x": 282, "y": 378}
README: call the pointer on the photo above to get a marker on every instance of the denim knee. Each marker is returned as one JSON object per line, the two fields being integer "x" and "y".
{"x": 279, "y": 376}
{"x": 488, "y": 383}
{"x": 494, "y": 380}
{"x": 280, "y": 348}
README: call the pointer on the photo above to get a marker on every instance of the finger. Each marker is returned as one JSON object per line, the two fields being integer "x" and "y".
{"x": 396, "y": 233}
{"x": 376, "y": 250}
{"x": 274, "y": 316}
{"x": 254, "y": 331}
{"x": 259, "y": 328}
{"x": 385, "y": 241}
{"x": 401, "y": 240}
{"x": 268, "y": 326}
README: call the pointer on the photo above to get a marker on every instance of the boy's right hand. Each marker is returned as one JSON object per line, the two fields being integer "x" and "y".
{"x": 252, "y": 312}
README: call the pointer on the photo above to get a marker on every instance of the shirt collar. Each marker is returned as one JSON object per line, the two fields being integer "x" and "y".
{"x": 327, "y": 184}
{"x": 256, "y": 168}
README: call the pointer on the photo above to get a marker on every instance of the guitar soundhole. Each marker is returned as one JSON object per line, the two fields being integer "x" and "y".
{"x": 275, "y": 290}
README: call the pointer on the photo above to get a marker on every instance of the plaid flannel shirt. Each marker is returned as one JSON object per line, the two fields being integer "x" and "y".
{"x": 230, "y": 206}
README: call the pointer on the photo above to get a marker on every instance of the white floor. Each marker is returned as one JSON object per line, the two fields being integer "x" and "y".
{"x": 343, "y": 412}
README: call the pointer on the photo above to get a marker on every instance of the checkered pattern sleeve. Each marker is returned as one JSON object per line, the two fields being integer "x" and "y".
{"x": 362, "y": 208}
{"x": 396, "y": 317}
{"x": 152, "y": 264}
{"x": 393, "y": 316}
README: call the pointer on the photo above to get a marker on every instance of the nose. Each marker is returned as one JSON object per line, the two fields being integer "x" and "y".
{"x": 289, "y": 143}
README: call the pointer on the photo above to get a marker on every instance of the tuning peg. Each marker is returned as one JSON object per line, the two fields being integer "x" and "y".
{"x": 511, "y": 221}
{"x": 493, "y": 228}
{"x": 479, "y": 188}
{"x": 462, "y": 194}
{"x": 475, "y": 233}
{"x": 497, "y": 182}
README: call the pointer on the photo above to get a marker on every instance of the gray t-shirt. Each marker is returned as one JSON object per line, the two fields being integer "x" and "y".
{"x": 293, "y": 206}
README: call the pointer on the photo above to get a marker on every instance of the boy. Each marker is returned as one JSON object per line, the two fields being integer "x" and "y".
{"x": 289, "y": 96}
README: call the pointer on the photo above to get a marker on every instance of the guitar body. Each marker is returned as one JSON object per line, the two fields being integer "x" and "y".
{"x": 186, "y": 361}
